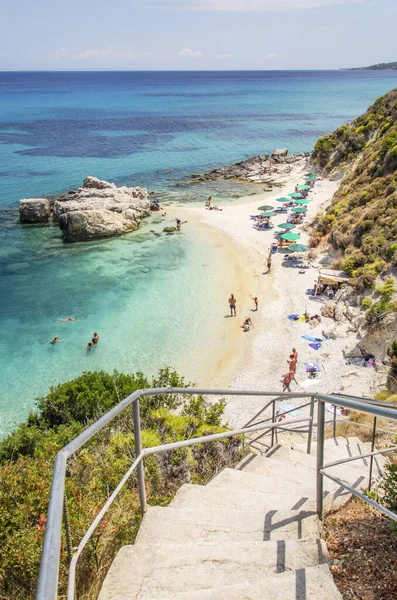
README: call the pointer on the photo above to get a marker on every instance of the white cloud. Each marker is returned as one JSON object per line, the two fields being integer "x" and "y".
{"x": 271, "y": 56}
{"x": 224, "y": 56}
{"x": 108, "y": 53}
{"x": 190, "y": 53}
{"x": 246, "y": 5}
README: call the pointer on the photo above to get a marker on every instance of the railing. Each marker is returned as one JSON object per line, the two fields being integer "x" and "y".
{"x": 49, "y": 568}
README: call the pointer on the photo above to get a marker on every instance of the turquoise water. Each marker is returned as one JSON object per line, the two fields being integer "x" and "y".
{"x": 149, "y": 296}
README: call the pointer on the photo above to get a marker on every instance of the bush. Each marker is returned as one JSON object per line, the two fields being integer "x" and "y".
{"x": 366, "y": 302}
{"x": 389, "y": 486}
{"x": 26, "y": 466}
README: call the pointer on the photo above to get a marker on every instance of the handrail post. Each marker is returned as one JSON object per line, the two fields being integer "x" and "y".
{"x": 334, "y": 424}
{"x": 320, "y": 457}
{"x": 138, "y": 449}
{"x": 273, "y": 421}
{"x": 371, "y": 460}
{"x": 310, "y": 435}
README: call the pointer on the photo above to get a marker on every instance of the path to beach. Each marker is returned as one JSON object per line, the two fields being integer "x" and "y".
{"x": 258, "y": 359}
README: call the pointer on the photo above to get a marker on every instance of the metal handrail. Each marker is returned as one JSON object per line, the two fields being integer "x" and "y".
{"x": 49, "y": 567}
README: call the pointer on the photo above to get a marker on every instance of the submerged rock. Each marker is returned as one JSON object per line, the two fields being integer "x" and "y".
{"x": 34, "y": 210}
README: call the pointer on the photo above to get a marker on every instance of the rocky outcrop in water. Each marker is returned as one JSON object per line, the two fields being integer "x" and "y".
{"x": 34, "y": 210}
{"x": 98, "y": 209}
{"x": 264, "y": 168}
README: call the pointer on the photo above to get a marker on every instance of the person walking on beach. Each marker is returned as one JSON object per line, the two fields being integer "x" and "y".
{"x": 232, "y": 304}
{"x": 269, "y": 263}
{"x": 255, "y": 299}
{"x": 178, "y": 224}
{"x": 287, "y": 381}
{"x": 294, "y": 354}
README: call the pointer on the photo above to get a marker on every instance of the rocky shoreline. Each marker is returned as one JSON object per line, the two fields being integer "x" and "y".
{"x": 98, "y": 209}
{"x": 262, "y": 169}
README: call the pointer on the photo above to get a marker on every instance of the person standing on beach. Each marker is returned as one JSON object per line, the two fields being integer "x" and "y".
{"x": 269, "y": 263}
{"x": 287, "y": 381}
{"x": 232, "y": 304}
{"x": 292, "y": 364}
{"x": 255, "y": 299}
{"x": 294, "y": 354}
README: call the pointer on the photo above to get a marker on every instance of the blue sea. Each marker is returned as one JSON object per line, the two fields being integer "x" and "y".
{"x": 147, "y": 295}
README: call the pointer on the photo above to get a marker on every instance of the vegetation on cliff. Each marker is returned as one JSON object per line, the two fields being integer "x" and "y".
{"x": 26, "y": 463}
{"x": 361, "y": 221}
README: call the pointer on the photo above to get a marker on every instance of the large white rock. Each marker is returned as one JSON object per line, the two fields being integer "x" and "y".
{"x": 100, "y": 209}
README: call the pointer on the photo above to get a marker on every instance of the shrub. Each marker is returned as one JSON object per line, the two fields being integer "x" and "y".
{"x": 366, "y": 302}
{"x": 26, "y": 466}
{"x": 389, "y": 486}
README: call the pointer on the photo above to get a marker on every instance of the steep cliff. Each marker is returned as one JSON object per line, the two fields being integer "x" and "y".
{"x": 361, "y": 221}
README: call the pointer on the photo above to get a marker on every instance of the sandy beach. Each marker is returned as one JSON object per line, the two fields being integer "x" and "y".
{"x": 257, "y": 359}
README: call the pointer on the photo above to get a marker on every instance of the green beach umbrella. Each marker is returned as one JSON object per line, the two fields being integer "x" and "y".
{"x": 302, "y": 201}
{"x": 283, "y": 200}
{"x": 310, "y": 178}
{"x": 290, "y": 236}
{"x": 303, "y": 187}
{"x": 299, "y": 209}
{"x": 295, "y": 195}
{"x": 311, "y": 175}
{"x": 286, "y": 226}
{"x": 265, "y": 207}
{"x": 298, "y": 248}
{"x": 269, "y": 213}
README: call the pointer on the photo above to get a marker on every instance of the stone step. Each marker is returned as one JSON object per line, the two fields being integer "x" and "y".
{"x": 336, "y": 451}
{"x": 191, "y": 496}
{"x": 311, "y": 583}
{"x": 159, "y": 570}
{"x": 285, "y": 453}
{"x": 295, "y": 472}
{"x": 333, "y": 493}
{"x": 183, "y": 525}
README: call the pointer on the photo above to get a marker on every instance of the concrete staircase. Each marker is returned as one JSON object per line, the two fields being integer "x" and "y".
{"x": 250, "y": 534}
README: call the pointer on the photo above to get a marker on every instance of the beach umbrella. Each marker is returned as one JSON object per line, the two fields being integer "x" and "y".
{"x": 310, "y": 178}
{"x": 311, "y": 175}
{"x": 295, "y": 195}
{"x": 283, "y": 200}
{"x": 286, "y": 225}
{"x": 303, "y": 187}
{"x": 302, "y": 201}
{"x": 299, "y": 209}
{"x": 298, "y": 248}
{"x": 269, "y": 213}
{"x": 289, "y": 236}
{"x": 265, "y": 207}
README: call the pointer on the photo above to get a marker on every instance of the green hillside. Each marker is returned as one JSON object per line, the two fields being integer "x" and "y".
{"x": 361, "y": 221}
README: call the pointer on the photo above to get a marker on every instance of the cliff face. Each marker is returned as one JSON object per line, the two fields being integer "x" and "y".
{"x": 361, "y": 222}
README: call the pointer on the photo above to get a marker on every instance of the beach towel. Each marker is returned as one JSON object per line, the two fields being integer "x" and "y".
{"x": 315, "y": 346}
{"x": 310, "y": 292}
{"x": 312, "y": 367}
{"x": 312, "y": 339}
{"x": 287, "y": 407}
{"x": 293, "y": 317}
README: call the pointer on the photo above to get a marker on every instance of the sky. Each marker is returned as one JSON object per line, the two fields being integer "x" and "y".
{"x": 195, "y": 34}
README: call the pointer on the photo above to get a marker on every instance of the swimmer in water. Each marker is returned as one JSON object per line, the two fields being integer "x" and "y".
{"x": 95, "y": 338}
{"x": 90, "y": 346}
{"x": 68, "y": 320}
{"x": 55, "y": 340}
